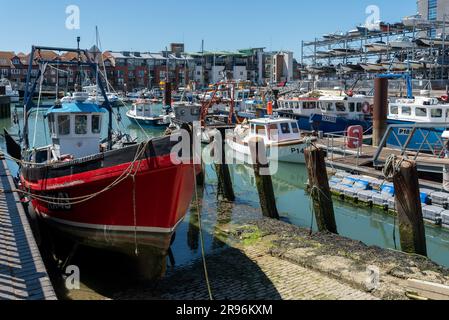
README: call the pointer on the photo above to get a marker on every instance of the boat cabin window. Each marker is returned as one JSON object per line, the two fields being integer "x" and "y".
{"x": 63, "y": 125}
{"x": 351, "y": 106}
{"x": 309, "y": 105}
{"x": 436, "y": 113}
{"x": 274, "y": 132}
{"x": 260, "y": 130}
{"x": 359, "y": 107}
{"x": 51, "y": 123}
{"x": 295, "y": 127}
{"x": 285, "y": 128}
{"x": 406, "y": 111}
{"x": 96, "y": 124}
{"x": 81, "y": 124}
{"x": 139, "y": 108}
{"x": 195, "y": 111}
{"x": 394, "y": 110}
{"x": 327, "y": 106}
{"x": 421, "y": 112}
{"x": 340, "y": 107}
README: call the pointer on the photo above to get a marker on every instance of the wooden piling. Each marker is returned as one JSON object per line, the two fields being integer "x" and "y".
{"x": 408, "y": 205}
{"x": 320, "y": 190}
{"x": 5, "y": 107}
{"x": 263, "y": 181}
{"x": 380, "y": 111}
{"x": 225, "y": 190}
{"x": 167, "y": 95}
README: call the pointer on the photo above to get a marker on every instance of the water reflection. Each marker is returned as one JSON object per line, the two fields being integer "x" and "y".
{"x": 371, "y": 226}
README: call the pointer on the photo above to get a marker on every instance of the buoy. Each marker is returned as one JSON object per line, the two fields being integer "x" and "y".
{"x": 270, "y": 108}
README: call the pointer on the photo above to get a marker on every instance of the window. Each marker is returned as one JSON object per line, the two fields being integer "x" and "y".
{"x": 295, "y": 128}
{"x": 340, "y": 107}
{"x": 274, "y": 132}
{"x": 81, "y": 124}
{"x": 406, "y": 111}
{"x": 260, "y": 130}
{"x": 51, "y": 123}
{"x": 195, "y": 111}
{"x": 64, "y": 125}
{"x": 96, "y": 124}
{"x": 359, "y": 107}
{"x": 327, "y": 106}
{"x": 351, "y": 106}
{"x": 285, "y": 128}
{"x": 309, "y": 105}
{"x": 421, "y": 112}
{"x": 436, "y": 113}
{"x": 394, "y": 110}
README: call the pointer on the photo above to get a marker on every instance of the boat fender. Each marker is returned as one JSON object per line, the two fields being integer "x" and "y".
{"x": 446, "y": 169}
{"x": 366, "y": 108}
{"x": 445, "y": 98}
{"x": 350, "y": 93}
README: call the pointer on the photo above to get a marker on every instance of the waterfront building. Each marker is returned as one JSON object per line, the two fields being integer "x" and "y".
{"x": 434, "y": 10}
{"x": 127, "y": 71}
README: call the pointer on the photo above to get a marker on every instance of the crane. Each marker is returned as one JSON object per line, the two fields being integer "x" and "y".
{"x": 406, "y": 76}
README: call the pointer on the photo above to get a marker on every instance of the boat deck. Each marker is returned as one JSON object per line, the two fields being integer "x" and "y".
{"x": 22, "y": 272}
{"x": 340, "y": 157}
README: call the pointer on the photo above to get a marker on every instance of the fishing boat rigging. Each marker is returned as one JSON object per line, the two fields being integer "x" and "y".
{"x": 114, "y": 194}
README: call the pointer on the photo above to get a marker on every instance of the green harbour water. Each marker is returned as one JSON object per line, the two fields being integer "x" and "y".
{"x": 370, "y": 226}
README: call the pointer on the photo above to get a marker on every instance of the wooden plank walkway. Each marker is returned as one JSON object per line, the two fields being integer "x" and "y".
{"x": 22, "y": 272}
{"x": 349, "y": 157}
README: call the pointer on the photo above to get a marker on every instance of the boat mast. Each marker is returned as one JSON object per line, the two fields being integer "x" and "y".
{"x": 102, "y": 60}
{"x": 79, "y": 84}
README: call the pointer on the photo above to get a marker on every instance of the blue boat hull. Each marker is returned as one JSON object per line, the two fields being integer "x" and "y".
{"x": 326, "y": 124}
{"x": 416, "y": 143}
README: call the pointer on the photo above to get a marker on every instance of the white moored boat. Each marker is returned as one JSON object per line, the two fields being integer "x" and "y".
{"x": 9, "y": 91}
{"x": 282, "y": 139}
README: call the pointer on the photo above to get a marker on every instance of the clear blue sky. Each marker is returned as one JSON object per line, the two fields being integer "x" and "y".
{"x": 144, "y": 25}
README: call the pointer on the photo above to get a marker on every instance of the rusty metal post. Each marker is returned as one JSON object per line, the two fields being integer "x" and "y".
{"x": 380, "y": 110}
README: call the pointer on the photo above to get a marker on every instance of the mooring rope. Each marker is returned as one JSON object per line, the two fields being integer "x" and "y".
{"x": 200, "y": 227}
{"x": 77, "y": 200}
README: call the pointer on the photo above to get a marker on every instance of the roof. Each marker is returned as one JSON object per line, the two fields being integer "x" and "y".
{"x": 271, "y": 121}
{"x": 46, "y": 54}
{"x": 5, "y": 58}
{"x": 76, "y": 107}
{"x": 333, "y": 98}
{"x": 217, "y": 53}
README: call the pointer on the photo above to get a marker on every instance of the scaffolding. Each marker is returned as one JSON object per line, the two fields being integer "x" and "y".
{"x": 329, "y": 56}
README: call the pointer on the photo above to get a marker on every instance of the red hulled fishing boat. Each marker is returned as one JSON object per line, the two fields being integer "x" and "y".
{"x": 114, "y": 194}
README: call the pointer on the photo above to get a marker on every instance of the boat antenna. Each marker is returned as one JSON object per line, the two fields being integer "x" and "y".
{"x": 78, "y": 39}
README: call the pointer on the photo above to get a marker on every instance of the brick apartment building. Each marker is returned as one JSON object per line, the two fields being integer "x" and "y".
{"x": 127, "y": 71}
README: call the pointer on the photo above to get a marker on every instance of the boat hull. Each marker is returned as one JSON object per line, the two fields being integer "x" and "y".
{"x": 416, "y": 143}
{"x": 138, "y": 214}
{"x": 325, "y": 123}
{"x": 153, "y": 122}
{"x": 290, "y": 152}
